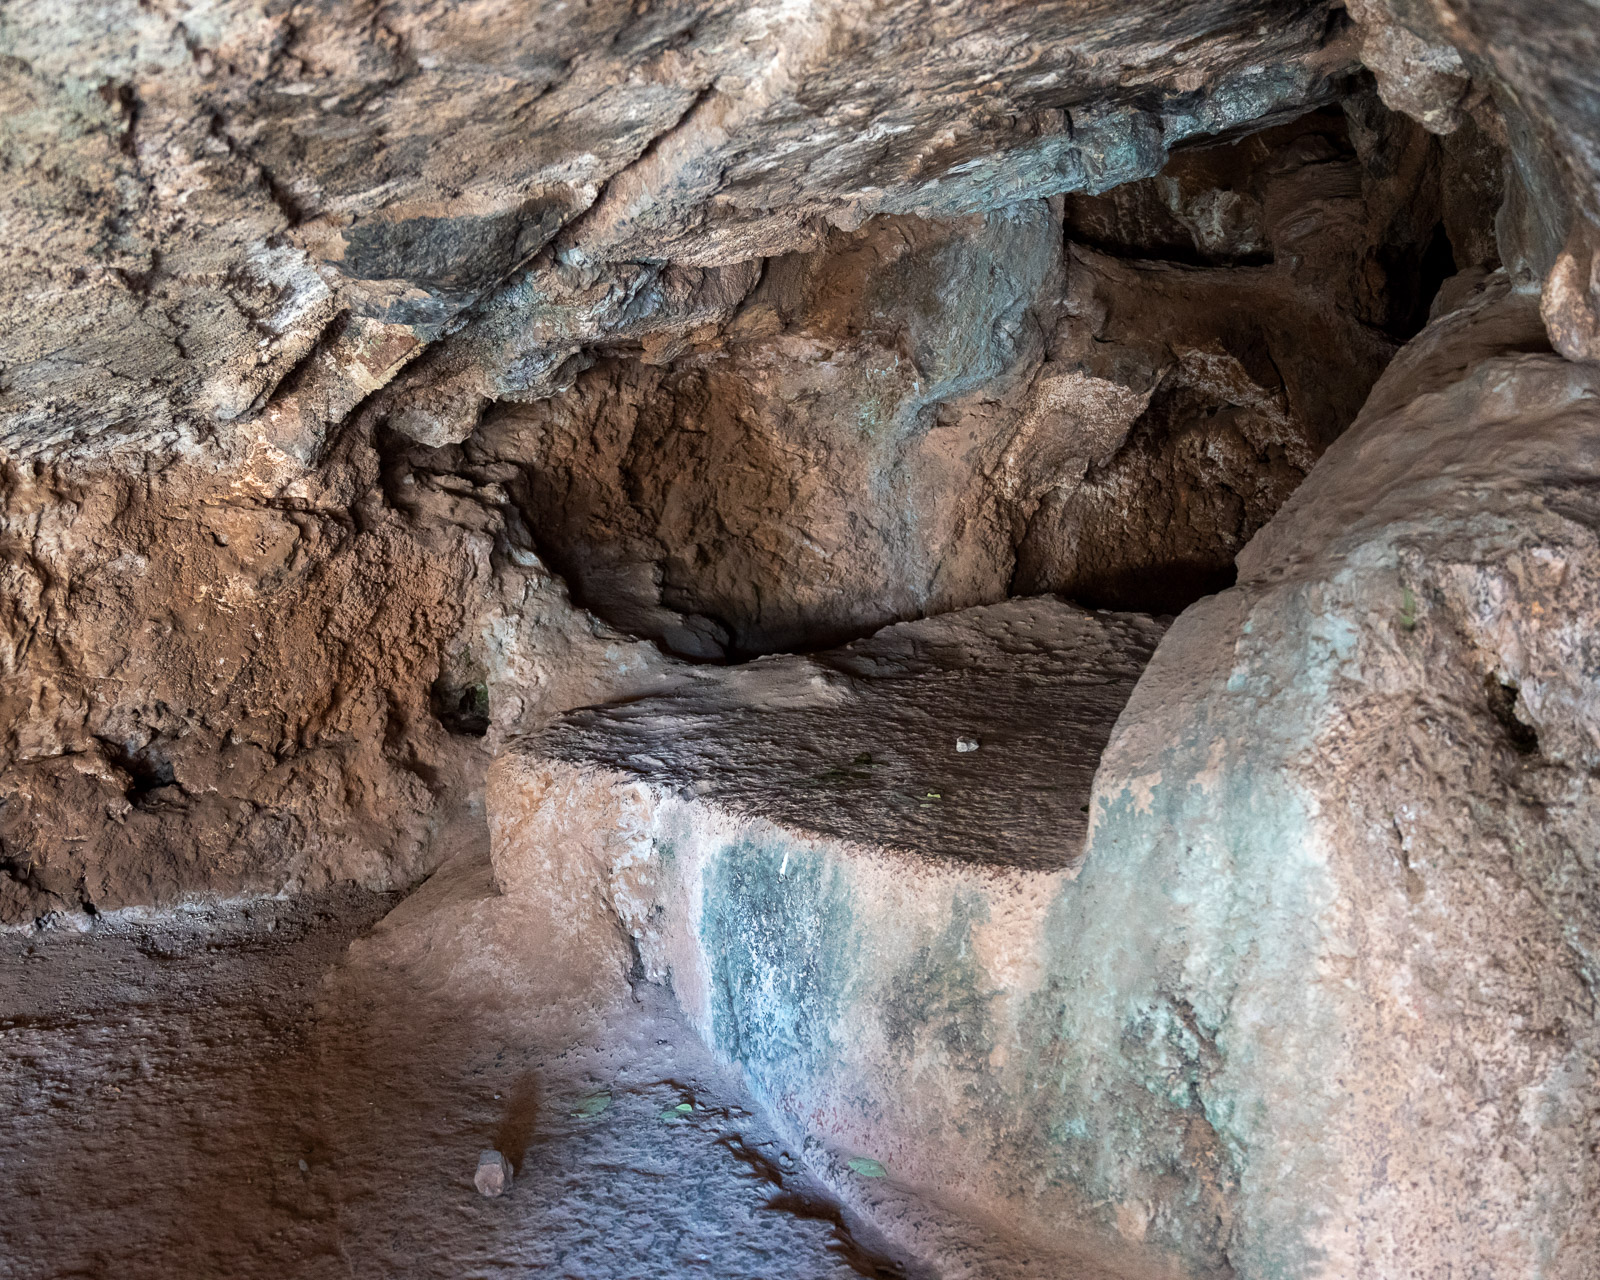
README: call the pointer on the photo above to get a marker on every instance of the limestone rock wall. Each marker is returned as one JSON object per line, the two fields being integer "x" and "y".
{"x": 762, "y": 324}
{"x": 252, "y": 677}
{"x": 378, "y": 381}
{"x": 1319, "y": 999}
{"x": 208, "y": 686}
{"x": 255, "y": 250}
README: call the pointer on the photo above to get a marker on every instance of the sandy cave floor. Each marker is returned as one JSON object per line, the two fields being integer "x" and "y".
{"x": 301, "y": 1088}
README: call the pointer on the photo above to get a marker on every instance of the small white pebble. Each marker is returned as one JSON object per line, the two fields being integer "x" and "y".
{"x": 494, "y": 1174}
{"x": 966, "y": 744}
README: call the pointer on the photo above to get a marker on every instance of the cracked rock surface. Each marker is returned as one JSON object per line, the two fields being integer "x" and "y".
{"x": 860, "y": 743}
{"x": 416, "y": 413}
{"x": 211, "y": 188}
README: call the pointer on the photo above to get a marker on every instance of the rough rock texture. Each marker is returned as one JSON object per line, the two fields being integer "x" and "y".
{"x": 925, "y": 415}
{"x": 1527, "y": 78}
{"x": 338, "y": 339}
{"x": 252, "y": 678}
{"x": 203, "y": 199}
{"x": 236, "y": 616}
{"x": 210, "y": 686}
{"x": 844, "y": 903}
{"x": 860, "y": 743}
{"x": 861, "y": 989}
{"x": 765, "y": 325}
{"x": 1321, "y": 1000}
{"x": 232, "y": 1091}
{"x": 1348, "y": 820}
{"x": 232, "y": 670}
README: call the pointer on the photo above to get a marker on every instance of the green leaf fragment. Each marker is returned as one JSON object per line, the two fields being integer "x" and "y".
{"x": 866, "y": 1167}
{"x": 592, "y": 1106}
{"x": 679, "y": 1112}
{"x": 1408, "y": 610}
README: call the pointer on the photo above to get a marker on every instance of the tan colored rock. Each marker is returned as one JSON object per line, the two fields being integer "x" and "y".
{"x": 927, "y": 415}
{"x": 1570, "y": 302}
{"x": 916, "y": 416}
{"x": 213, "y": 689}
{"x": 1425, "y": 79}
{"x": 1526, "y": 78}
{"x": 1333, "y": 895}
{"x": 493, "y": 1175}
{"x": 847, "y": 909}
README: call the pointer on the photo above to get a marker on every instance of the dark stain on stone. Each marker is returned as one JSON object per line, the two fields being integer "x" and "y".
{"x": 1502, "y": 694}
{"x": 938, "y": 997}
{"x": 780, "y": 935}
{"x": 813, "y": 1208}
{"x": 452, "y": 259}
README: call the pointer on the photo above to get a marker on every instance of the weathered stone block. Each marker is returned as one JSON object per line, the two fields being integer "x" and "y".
{"x": 1320, "y": 1001}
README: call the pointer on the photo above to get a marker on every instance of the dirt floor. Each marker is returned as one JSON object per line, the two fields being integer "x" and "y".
{"x": 301, "y": 1089}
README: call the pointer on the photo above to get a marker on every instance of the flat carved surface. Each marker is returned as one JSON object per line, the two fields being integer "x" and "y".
{"x": 860, "y": 743}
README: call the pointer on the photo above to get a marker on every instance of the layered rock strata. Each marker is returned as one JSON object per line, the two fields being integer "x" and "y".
{"x": 225, "y": 205}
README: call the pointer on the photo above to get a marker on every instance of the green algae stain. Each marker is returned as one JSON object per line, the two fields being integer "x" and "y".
{"x": 1408, "y": 610}
{"x": 590, "y": 1107}
{"x": 941, "y": 998}
{"x": 779, "y": 932}
{"x": 1181, "y": 935}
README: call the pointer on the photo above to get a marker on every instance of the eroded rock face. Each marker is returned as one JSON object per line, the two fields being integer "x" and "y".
{"x": 1319, "y": 1002}
{"x": 337, "y": 336}
{"x": 763, "y": 325}
{"x": 842, "y": 864}
{"x": 972, "y": 737}
{"x": 208, "y": 688}
{"x": 1526, "y": 79}
{"x": 1104, "y": 398}
{"x": 257, "y": 249}
{"x": 250, "y": 678}
{"x": 200, "y": 196}
{"x": 1337, "y": 907}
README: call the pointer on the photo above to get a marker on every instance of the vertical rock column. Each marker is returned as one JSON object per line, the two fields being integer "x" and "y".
{"x": 1323, "y": 998}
